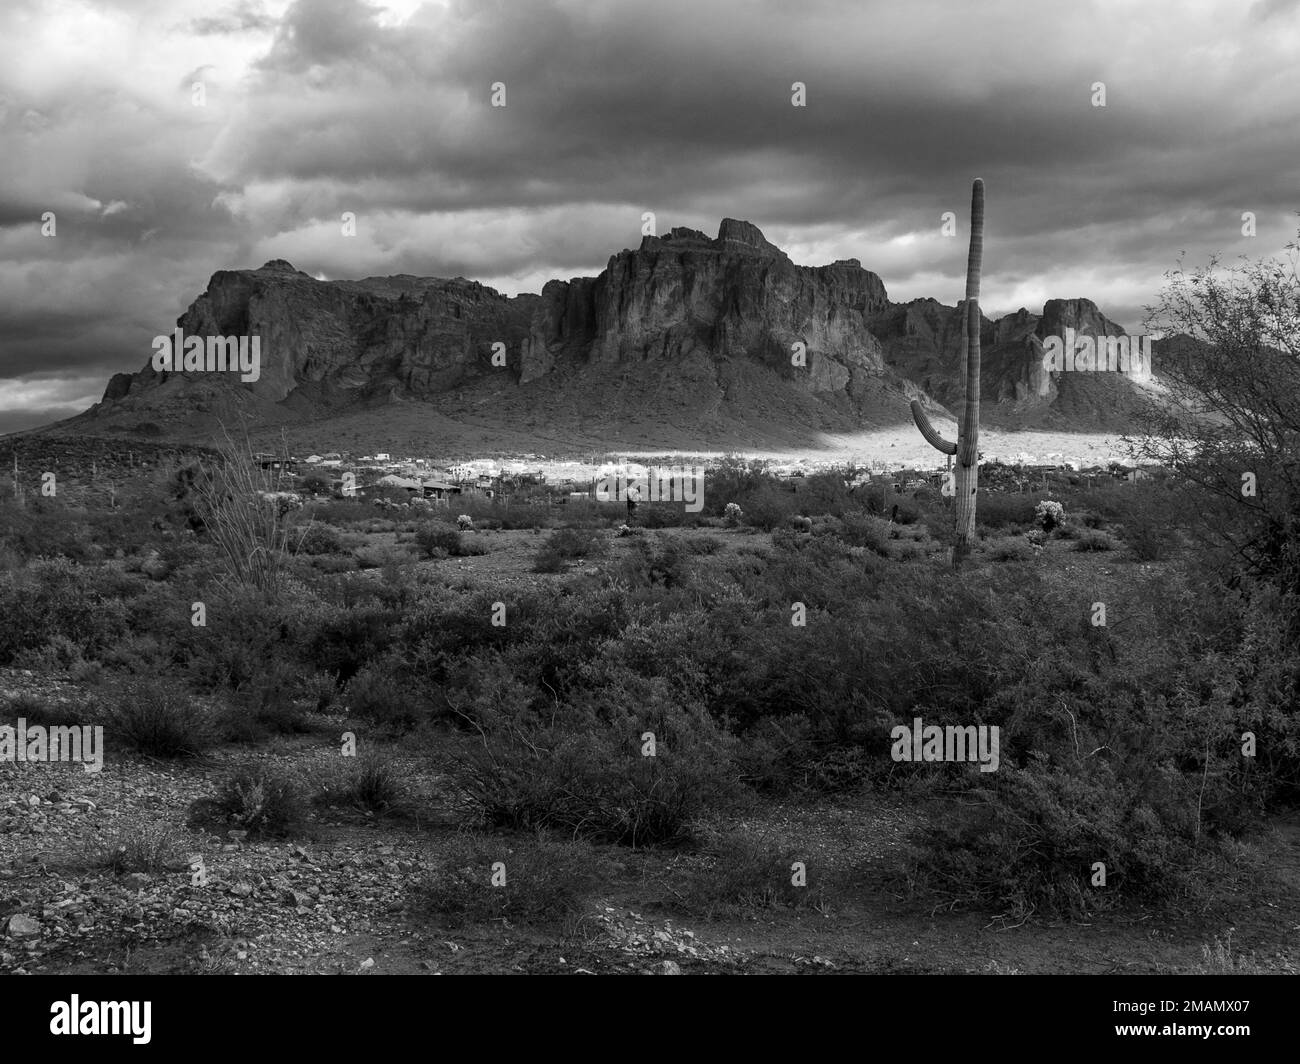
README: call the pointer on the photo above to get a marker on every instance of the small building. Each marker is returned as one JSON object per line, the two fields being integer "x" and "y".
{"x": 392, "y": 480}
{"x": 439, "y": 489}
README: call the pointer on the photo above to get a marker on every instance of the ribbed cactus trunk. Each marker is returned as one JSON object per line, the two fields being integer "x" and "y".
{"x": 966, "y": 449}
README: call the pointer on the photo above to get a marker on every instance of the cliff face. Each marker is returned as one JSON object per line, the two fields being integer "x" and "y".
{"x": 684, "y": 296}
{"x": 338, "y": 342}
{"x": 683, "y": 317}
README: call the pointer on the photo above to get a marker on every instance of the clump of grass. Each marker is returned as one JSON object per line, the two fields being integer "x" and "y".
{"x": 148, "y": 848}
{"x": 153, "y": 718}
{"x": 40, "y": 711}
{"x": 1010, "y": 549}
{"x": 1093, "y": 539}
{"x": 1218, "y": 958}
{"x": 262, "y": 800}
{"x": 372, "y": 783}
{"x": 530, "y": 880}
{"x": 739, "y": 872}
{"x": 567, "y": 544}
{"x": 437, "y": 540}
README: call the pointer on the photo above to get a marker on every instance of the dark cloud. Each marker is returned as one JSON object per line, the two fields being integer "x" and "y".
{"x": 679, "y": 108}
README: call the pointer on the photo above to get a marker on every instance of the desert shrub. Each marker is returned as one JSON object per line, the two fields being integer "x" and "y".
{"x": 863, "y": 530}
{"x": 545, "y": 880}
{"x": 320, "y": 691}
{"x": 733, "y": 480}
{"x": 150, "y": 848}
{"x": 739, "y": 871}
{"x": 577, "y": 543}
{"x": 246, "y": 632}
{"x": 1027, "y": 842}
{"x": 153, "y": 717}
{"x": 1010, "y": 549}
{"x": 1147, "y": 541}
{"x": 1148, "y": 518}
{"x": 662, "y": 515}
{"x": 437, "y": 540}
{"x": 346, "y": 637}
{"x": 40, "y": 711}
{"x": 705, "y": 545}
{"x": 659, "y": 562}
{"x": 1219, "y": 958}
{"x": 381, "y": 556}
{"x": 371, "y": 782}
{"x": 580, "y": 768}
{"x": 263, "y": 800}
{"x": 331, "y": 563}
{"x": 827, "y": 491}
{"x": 548, "y": 560}
{"x": 319, "y": 538}
{"x": 732, "y": 515}
{"x": 265, "y": 706}
{"x": 58, "y": 598}
{"x": 770, "y": 507}
{"x": 781, "y": 756}
{"x": 564, "y": 545}
{"x": 377, "y": 694}
{"x": 1006, "y": 510}
{"x": 1093, "y": 539}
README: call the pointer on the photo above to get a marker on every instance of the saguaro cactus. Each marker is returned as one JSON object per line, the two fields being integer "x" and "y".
{"x": 967, "y": 446}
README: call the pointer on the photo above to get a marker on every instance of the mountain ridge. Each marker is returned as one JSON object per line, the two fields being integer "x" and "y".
{"x": 701, "y": 336}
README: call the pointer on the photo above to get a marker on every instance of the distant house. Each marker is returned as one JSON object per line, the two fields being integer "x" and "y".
{"x": 392, "y": 480}
{"x": 1142, "y": 472}
{"x": 314, "y": 459}
{"x": 439, "y": 489}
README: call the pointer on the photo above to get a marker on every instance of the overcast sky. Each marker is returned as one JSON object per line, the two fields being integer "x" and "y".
{"x": 680, "y": 107}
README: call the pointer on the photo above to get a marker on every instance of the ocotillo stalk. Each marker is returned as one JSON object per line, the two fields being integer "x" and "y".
{"x": 967, "y": 446}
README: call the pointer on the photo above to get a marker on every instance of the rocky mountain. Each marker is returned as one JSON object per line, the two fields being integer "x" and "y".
{"x": 702, "y": 341}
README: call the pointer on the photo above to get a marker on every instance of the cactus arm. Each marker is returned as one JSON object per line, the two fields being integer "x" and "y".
{"x": 927, "y": 430}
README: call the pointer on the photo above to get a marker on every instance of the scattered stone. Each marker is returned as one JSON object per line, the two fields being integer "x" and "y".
{"x": 136, "y": 881}
{"x": 669, "y": 968}
{"x": 23, "y": 926}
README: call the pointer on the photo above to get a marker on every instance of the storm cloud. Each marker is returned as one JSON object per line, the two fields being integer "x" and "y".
{"x": 174, "y": 139}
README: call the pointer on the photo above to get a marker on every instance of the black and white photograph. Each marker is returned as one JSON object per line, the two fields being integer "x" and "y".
{"x": 602, "y": 487}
